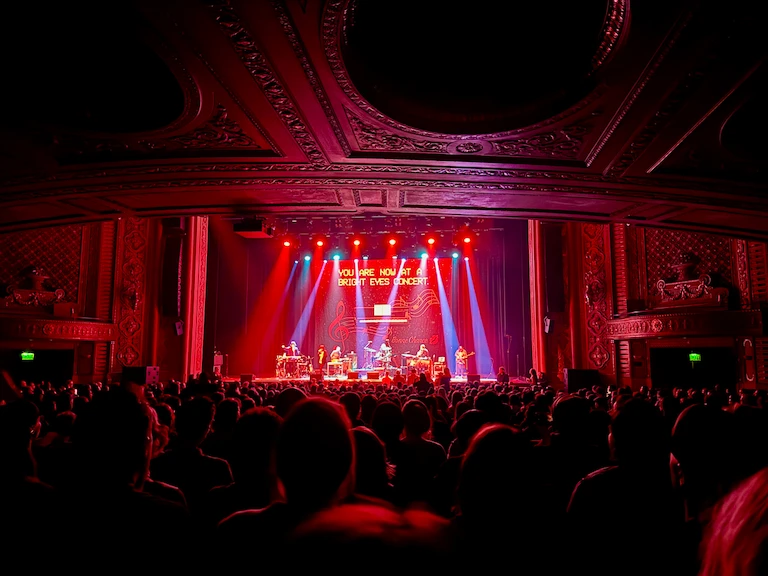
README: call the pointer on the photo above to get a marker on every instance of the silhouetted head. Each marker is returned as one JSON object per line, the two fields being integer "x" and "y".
{"x": 416, "y": 419}
{"x": 253, "y": 444}
{"x": 368, "y": 405}
{"x": 388, "y": 422}
{"x": 639, "y": 436}
{"x": 466, "y": 427}
{"x": 371, "y": 478}
{"x": 495, "y": 470}
{"x": 315, "y": 454}
{"x": 227, "y": 413}
{"x": 570, "y": 415}
{"x": 194, "y": 419}
{"x": 351, "y": 403}
{"x": 737, "y": 539}
{"x": 286, "y": 399}
{"x": 112, "y": 440}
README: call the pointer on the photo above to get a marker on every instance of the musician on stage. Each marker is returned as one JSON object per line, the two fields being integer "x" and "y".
{"x": 423, "y": 353}
{"x": 322, "y": 356}
{"x": 336, "y": 357}
{"x": 385, "y": 353}
{"x": 292, "y": 349}
{"x": 461, "y": 361}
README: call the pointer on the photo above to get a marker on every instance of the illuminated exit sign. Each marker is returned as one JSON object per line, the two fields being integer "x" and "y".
{"x": 27, "y": 356}
{"x": 694, "y": 357}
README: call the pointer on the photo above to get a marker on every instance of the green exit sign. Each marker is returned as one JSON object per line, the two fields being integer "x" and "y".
{"x": 27, "y": 356}
{"x": 694, "y": 357}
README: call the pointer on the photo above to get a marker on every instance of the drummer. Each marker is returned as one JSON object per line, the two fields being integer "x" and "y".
{"x": 423, "y": 353}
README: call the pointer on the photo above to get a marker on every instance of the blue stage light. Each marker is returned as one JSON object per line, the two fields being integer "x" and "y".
{"x": 306, "y": 258}
{"x": 336, "y": 256}
{"x": 455, "y": 254}
{"x": 423, "y": 254}
{"x": 365, "y": 257}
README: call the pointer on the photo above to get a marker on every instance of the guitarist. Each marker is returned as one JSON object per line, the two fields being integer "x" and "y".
{"x": 461, "y": 361}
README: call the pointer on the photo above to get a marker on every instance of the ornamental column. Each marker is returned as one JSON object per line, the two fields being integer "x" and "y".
{"x": 194, "y": 265}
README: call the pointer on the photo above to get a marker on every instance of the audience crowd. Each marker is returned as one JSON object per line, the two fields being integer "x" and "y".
{"x": 365, "y": 477}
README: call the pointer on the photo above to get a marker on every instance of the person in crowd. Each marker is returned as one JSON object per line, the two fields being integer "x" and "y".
{"x": 351, "y": 403}
{"x": 502, "y": 377}
{"x": 372, "y": 472}
{"x": 315, "y": 463}
{"x": 186, "y": 466}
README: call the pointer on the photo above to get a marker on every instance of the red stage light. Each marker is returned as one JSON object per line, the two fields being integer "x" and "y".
{"x": 430, "y": 241}
{"x": 287, "y": 243}
{"x": 320, "y": 242}
{"x": 356, "y": 242}
{"x": 392, "y": 241}
{"x": 467, "y": 239}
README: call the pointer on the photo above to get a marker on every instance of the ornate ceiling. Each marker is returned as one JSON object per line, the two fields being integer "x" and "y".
{"x": 650, "y": 112}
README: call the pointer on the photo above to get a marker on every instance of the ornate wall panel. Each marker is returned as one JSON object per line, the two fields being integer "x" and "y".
{"x": 666, "y": 248}
{"x": 56, "y": 250}
{"x": 597, "y": 294}
{"x": 130, "y": 291}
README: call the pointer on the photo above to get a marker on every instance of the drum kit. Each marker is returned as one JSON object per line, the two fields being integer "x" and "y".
{"x": 420, "y": 364}
{"x": 292, "y": 366}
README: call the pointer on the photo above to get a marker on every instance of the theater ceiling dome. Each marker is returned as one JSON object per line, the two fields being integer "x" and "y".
{"x": 477, "y": 67}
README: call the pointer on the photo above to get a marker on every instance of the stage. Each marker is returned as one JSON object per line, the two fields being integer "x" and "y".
{"x": 341, "y": 379}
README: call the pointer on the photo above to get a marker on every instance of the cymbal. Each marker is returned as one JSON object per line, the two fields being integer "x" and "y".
{"x": 408, "y": 355}
{"x": 370, "y": 349}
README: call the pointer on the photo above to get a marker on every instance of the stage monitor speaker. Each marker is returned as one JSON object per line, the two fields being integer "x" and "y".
{"x": 373, "y": 375}
{"x": 576, "y": 379}
{"x": 352, "y": 375}
{"x": 246, "y": 378}
{"x": 141, "y": 374}
{"x": 472, "y": 378}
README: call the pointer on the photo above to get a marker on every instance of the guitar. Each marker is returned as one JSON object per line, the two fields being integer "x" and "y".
{"x": 463, "y": 357}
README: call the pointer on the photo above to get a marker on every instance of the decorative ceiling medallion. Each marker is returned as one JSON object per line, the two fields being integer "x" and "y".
{"x": 335, "y": 22}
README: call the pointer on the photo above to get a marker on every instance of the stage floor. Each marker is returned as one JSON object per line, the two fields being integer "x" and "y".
{"x": 341, "y": 379}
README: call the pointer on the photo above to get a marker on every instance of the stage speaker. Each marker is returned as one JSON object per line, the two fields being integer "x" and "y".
{"x": 173, "y": 239}
{"x": 553, "y": 268}
{"x": 141, "y": 374}
{"x": 472, "y": 378}
{"x": 373, "y": 375}
{"x": 576, "y": 379}
{"x": 317, "y": 375}
{"x": 351, "y": 375}
{"x": 246, "y": 378}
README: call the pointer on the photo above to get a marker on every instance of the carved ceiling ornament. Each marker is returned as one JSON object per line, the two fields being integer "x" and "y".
{"x": 220, "y": 131}
{"x": 32, "y": 289}
{"x": 261, "y": 71}
{"x": 335, "y": 14}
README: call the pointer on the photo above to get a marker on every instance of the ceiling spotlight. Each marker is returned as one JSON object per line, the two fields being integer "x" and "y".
{"x": 392, "y": 241}
{"x": 424, "y": 255}
{"x": 287, "y": 243}
{"x": 467, "y": 239}
{"x": 306, "y": 258}
{"x": 466, "y": 258}
{"x": 295, "y": 261}
{"x": 336, "y": 256}
{"x": 430, "y": 241}
{"x": 365, "y": 257}
{"x": 320, "y": 243}
{"x": 455, "y": 254}
{"x": 356, "y": 242}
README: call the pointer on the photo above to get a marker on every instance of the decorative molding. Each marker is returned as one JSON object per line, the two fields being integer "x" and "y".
{"x": 289, "y": 29}
{"x": 719, "y": 323}
{"x": 130, "y": 286}
{"x": 741, "y": 276}
{"x": 697, "y": 292}
{"x": 261, "y": 71}
{"x": 369, "y": 136}
{"x": 674, "y": 102}
{"x": 563, "y": 143}
{"x": 639, "y": 87}
{"x": 52, "y": 329}
{"x": 334, "y": 16}
{"x": 596, "y": 293}
{"x": 611, "y": 33}
{"x": 219, "y": 131}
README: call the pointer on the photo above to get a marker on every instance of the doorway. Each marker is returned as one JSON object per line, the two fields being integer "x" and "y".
{"x": 35, "y": 365}
{"x": 694, "y": 367}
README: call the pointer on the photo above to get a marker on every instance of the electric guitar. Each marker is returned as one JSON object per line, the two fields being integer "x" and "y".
{"x": 463, "y": 357}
